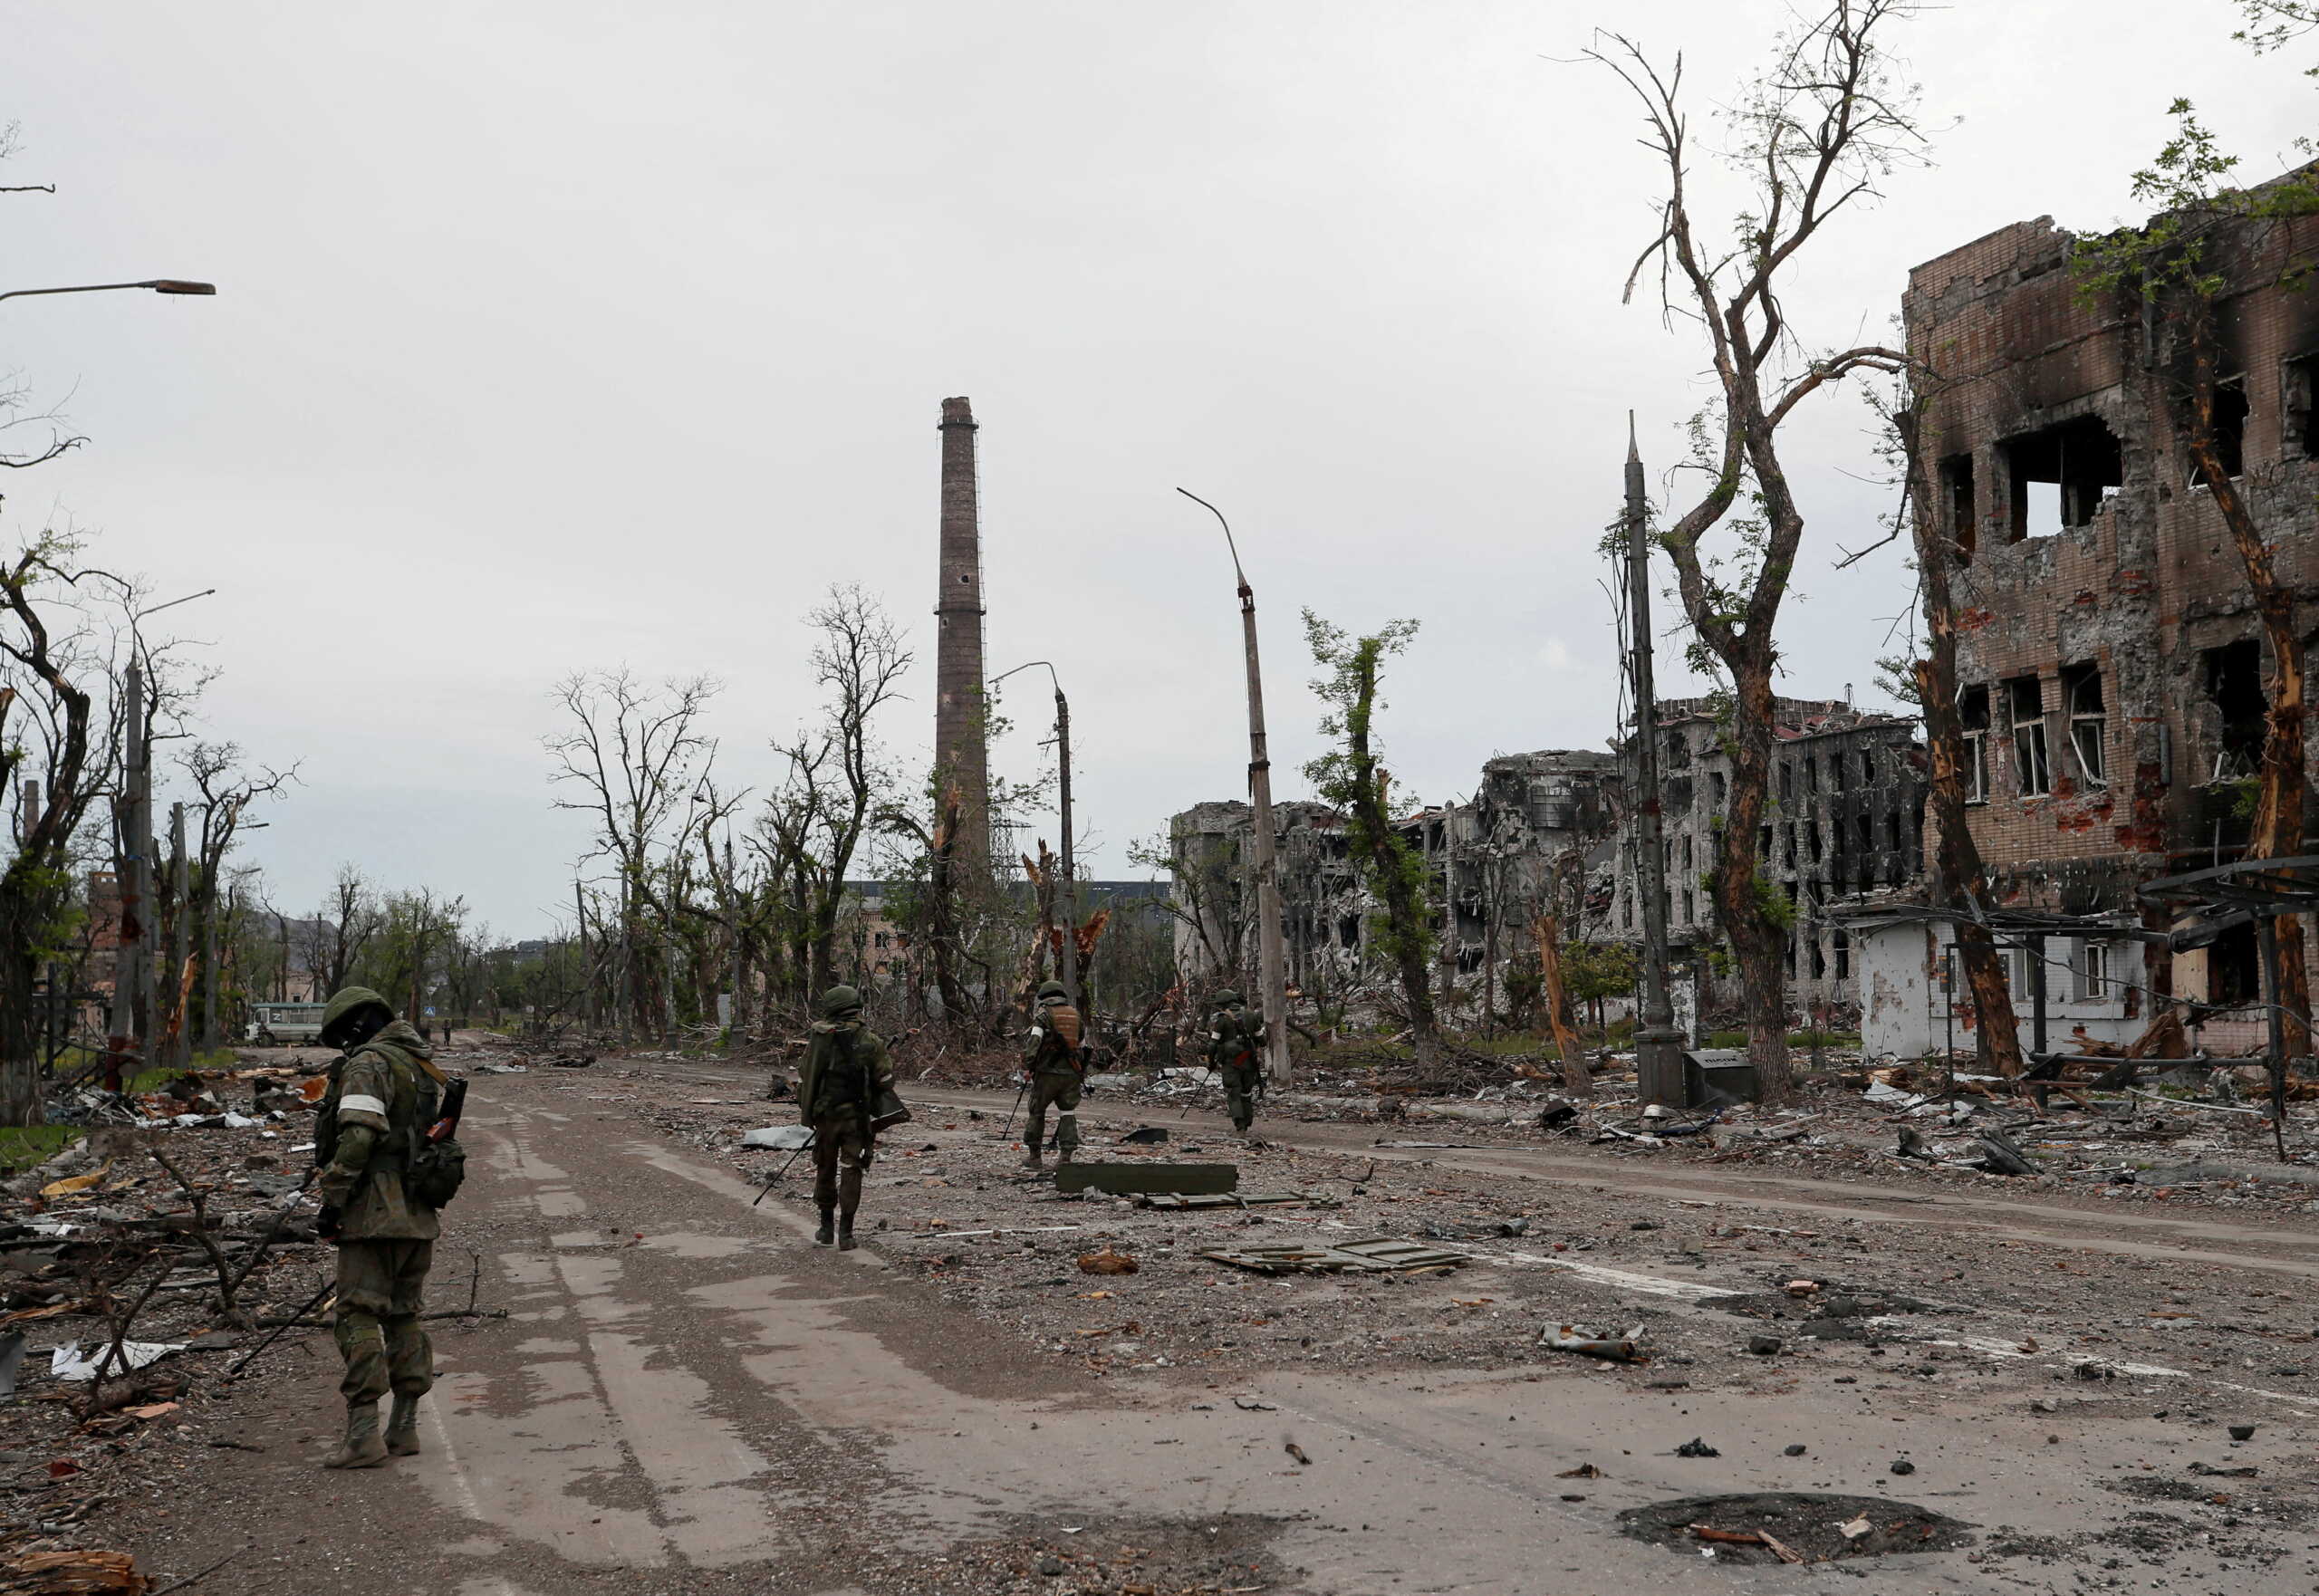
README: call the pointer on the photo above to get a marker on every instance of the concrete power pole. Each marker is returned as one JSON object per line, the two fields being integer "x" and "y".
{"x": 961, "y": 721}
{"x": 1271, "y": 964}
{"x": 1659, "y": 1054}
{"x": 133, "y": 956}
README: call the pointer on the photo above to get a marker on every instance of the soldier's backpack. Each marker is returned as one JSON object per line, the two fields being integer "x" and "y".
{"x": 432, "y": 1171}
{"x": 1235, "y": 1035}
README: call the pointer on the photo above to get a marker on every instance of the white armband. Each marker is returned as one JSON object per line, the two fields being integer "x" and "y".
{"x": 361, "y": 1104}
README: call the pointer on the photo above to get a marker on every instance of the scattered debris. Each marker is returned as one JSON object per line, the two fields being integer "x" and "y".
{"x": 1377, "y": 1255}
{"x": 1145, "y": 1135}
{"x": 1297, "y": 1452}
{"x": 1695, "y": 1447}
{"x": 1569, "y": 1338}
{"x": 1770, "y": 1527}
{"x": 1110, "y": 1260}
{"x": 781, "y": 1138}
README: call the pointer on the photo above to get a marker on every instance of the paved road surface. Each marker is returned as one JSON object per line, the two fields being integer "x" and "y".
{"x": 692, "y": 1397}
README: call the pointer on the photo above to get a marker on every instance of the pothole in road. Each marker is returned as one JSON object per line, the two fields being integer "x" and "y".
{"x": 1751, "y": 1526}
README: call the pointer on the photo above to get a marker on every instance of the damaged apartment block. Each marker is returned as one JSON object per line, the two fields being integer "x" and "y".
{"x": 2110, "y": 662}
{"x": 1843, "y": 820}
{"x": 1536, "y": 826}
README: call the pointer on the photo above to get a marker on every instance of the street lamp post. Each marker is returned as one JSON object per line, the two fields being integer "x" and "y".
{"x": 1272, "y": 961}
{"x": 1069, "y": 960}
{"x": 158, "y": 285}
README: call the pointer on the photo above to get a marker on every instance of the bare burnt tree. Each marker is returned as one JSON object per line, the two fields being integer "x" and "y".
{"x": 335, "y": 939}
{"x": 54, "y": 765}
{"x": 227, "y": 790}
{"x": 1813, "y": 137}
{"x": 632, "y": 755}
{"x": 839, "y": 779}
{"x": 1959, "y": 882}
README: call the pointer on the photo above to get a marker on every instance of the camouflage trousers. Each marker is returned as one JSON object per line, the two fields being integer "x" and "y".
{"x": 841, "y": 1149}
{"x": 1061, "y": 1093}
{"x": 1241, "y": 1084}
{"x": 379, "y": 1298}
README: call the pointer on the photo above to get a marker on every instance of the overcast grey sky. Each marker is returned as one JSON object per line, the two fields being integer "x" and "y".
{"x": 564, "y": 335}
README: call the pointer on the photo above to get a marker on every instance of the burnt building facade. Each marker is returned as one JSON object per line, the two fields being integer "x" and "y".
{"x": 1843, "y": 818}
{"x": 1535, "y": 822}
{"x": 2111, "y": 667}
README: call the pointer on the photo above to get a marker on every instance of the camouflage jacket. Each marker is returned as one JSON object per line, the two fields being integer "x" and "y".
{"x": 845, "y": 1069}
{"x": 379, "y": 1102}
{"x": 1051, "y": 1047}
{"x": 1236, "y": 1039}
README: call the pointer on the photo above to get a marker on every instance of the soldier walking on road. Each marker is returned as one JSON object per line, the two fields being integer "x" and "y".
{"x": 839, "y": 1093}
{"x": 382, "y": 1180}
{"x": 1235, "y": 1044}
{"x": 1053, "y": 1065}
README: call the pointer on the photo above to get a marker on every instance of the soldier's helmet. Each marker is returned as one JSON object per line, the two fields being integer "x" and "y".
{"x": 345, "y": 1005}
{"x": 1054, "y": 992}
{"x": 1227, "y": 998}
{"x": 839, "y": 1001}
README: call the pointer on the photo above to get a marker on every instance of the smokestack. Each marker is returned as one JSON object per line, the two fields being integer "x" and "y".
{"x": 961, "y": 754}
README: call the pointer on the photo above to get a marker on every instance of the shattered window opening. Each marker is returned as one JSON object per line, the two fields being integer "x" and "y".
{"x": 2078, "y": 463}
{"x": 1810, "y": 773}
{"x": 1787, "y": 845}
{"x": 2093, "y": 971}
{"x": 2025, "y": 704}
{"x": 2234, "y": 686}
{"x": 2230, "y": 411}
{"x": 1973, "y": 710}
{"x": 2298, "y": 389}
{"x": 1687, "y": 906}
{"x": 1720, "y": 785}
{"x": 1843, "y": 942}
{"x": 1819, "y": 961}
{"x": 1867, "y": 833}
{"x": 2089, "y": 723}
{"x": 1349, "y": 931}
{"x": 1812, "y": 839}
{"x": 1957, "y": 491}
{"x": 1786, "y": 782}
{"x": 1893, "y": 831}
{"x": 2233, "y": 969}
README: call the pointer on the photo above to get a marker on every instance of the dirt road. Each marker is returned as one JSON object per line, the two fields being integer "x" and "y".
{"x": 689, "y": 1397}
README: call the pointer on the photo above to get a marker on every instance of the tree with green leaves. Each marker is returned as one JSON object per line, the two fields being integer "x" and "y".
{"x": 2205, "y": 235}
{"x": 1812, "y": 138}
{"x": 1352, "y": 779}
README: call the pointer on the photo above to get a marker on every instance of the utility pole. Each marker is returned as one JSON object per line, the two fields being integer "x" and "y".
{"x": 1069, "y": 894}
{"x": 133, "y": 952}
{"x": 210, "y": 1036}
{"x": 1658, "y": 1045}
{"x": 1271, "y": 963}
{"x": 177, "y": 1049}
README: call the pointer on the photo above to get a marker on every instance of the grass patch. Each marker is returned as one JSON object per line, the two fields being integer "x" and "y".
{"x": 24, "y": 1146}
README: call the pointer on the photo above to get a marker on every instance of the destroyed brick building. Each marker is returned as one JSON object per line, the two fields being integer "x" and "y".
{"x": 1489, "y": 862}
{"x": 1844, "y": 817}
{"x": 2111, "y": 663}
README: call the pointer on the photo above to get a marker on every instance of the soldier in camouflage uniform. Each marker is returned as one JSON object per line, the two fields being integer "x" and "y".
{"x": 1054, "y": 1068}
{"x": 1235, "y": 1044}
{"x": 386, "y": 1240}
{"x": 846, "y": 1068}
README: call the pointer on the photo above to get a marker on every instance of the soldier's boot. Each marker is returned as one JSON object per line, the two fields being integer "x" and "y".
{"x": 363, "y": 1447}
{"x": 402, "y": 1428}
{"x": 1035, "y": 1136}
{"x": 850, "y": 1197}
{"x": 828, "y": 1232}
{"x": 1066, "y": 1135}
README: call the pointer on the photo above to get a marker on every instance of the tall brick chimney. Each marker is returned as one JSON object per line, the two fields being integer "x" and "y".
{"x": 961, "y": 753}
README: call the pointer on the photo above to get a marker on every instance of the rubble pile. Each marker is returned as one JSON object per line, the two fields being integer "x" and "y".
{"x": 138, "y": 1268}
